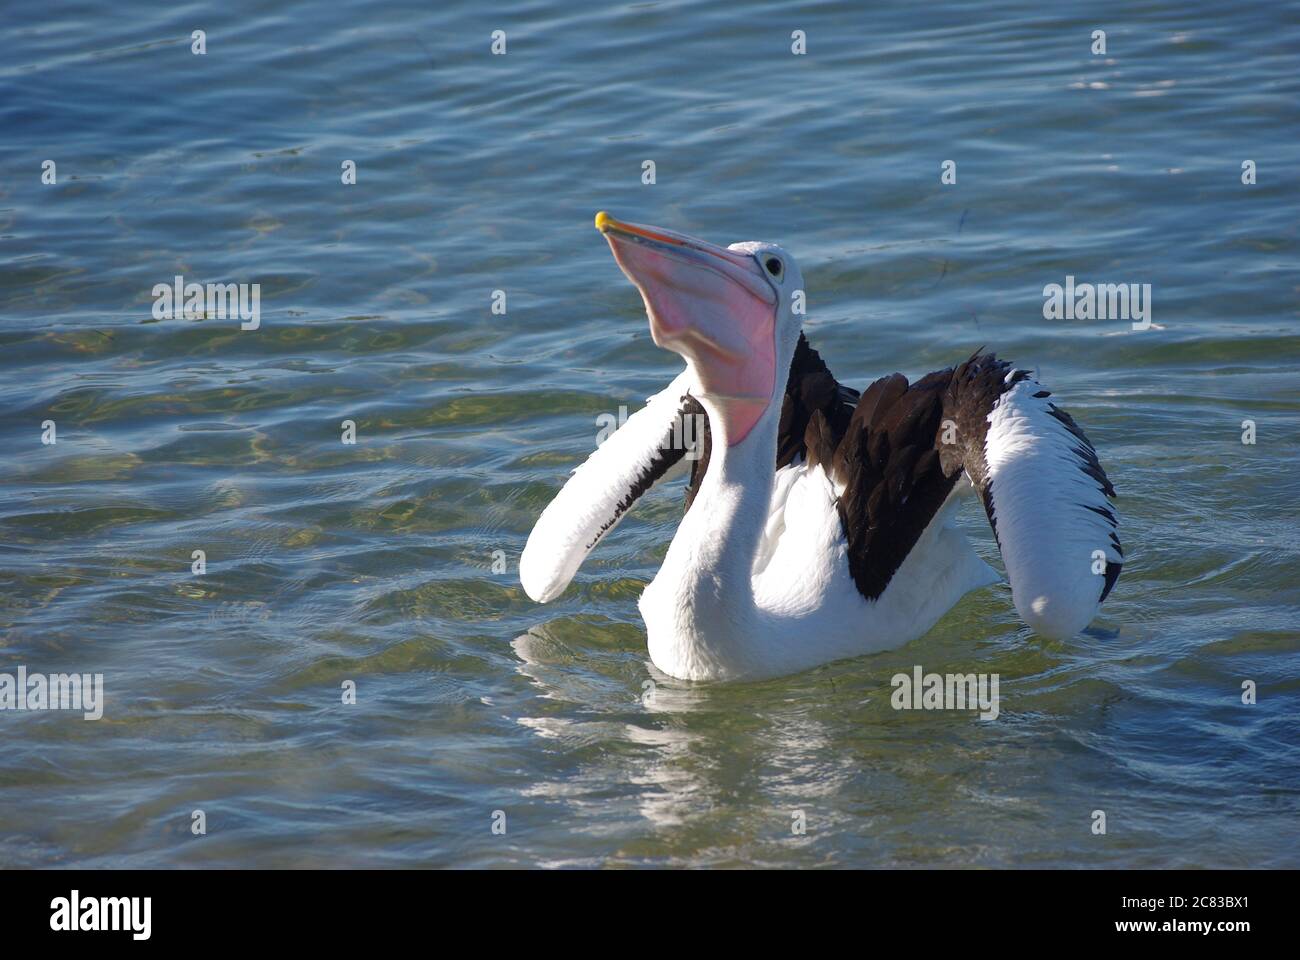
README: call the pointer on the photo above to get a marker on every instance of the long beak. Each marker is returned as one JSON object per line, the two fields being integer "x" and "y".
{"x": 712, "y": 306}
{"x": 738, "y": 267}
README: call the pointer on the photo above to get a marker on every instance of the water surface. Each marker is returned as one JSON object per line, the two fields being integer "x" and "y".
{"x": 374, "y": 563}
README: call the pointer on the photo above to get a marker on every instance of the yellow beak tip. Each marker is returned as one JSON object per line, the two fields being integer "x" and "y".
{"x": 603, "y": 220}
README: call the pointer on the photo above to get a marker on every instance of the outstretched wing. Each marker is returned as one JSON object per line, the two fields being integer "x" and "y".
{"x": 898, "y": 458}
{"x": 1045, "y": 493}
{"x": 603, "y": 489}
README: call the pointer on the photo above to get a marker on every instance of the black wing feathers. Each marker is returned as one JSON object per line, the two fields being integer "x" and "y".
{"x": 809, "y": 390}
{"x": 892, "y": 479}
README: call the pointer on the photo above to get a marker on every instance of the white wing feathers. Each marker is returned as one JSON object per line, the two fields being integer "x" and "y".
{"x": 601, "y": 492}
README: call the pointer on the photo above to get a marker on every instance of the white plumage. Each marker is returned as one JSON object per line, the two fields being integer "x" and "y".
{"x": 1054, "y": 546}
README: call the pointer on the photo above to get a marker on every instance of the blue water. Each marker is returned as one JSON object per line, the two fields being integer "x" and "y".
{"x": 373, "y": 563}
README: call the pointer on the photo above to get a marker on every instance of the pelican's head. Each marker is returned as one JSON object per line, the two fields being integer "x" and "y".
{"x": 728, "y": 311}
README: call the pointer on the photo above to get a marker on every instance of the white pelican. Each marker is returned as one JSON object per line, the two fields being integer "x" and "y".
{"x": 819, "y": 521}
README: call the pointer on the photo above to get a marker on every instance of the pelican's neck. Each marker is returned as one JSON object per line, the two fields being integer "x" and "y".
{"x": 700, "y": 609}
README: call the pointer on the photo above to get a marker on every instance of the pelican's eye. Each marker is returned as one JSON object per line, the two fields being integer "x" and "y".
{"x": 773, "y": 266}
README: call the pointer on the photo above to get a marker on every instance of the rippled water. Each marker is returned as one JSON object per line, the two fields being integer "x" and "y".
{"x": 373, "y": 562}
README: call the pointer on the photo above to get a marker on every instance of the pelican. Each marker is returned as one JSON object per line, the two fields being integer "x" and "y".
{"x": 819, "y": 520}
